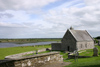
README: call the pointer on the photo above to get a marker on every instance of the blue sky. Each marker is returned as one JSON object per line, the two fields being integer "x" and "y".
{"x": 48, "y": 18}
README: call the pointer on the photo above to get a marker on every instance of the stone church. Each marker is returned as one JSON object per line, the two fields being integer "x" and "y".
{"x": 74, "y": 39}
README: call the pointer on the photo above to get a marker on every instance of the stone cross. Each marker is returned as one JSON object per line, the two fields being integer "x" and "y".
{"x": 95, "y": 51}
{"x": 76, "y": 55}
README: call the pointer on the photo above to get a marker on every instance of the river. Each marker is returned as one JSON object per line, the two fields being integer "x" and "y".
{"x": 3, "y": 45}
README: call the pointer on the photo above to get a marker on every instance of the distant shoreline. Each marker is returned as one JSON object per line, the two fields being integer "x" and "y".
{"x": 35, "y": 40}
{"x": 12, "y": 44}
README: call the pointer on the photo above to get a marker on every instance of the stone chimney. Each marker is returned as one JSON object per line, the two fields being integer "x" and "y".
{"x": 71, "y": 28}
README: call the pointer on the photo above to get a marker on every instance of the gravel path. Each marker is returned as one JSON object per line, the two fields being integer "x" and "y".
{"x": 57, "y": 64}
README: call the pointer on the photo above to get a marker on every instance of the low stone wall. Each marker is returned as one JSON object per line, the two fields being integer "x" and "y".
{"x": 6, "y": 63}
{"x": 32, "y": 61}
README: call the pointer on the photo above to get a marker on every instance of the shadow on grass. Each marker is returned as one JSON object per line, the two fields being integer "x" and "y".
{"x": 91, "y": 66}
{"x": 99, "y": 53}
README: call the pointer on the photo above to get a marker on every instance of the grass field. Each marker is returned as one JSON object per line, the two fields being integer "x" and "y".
{"x": 30, "y": 40}
{"x": 82, "y": 62}
{"x": 14, "y": 50}
{"x": 85, "y": 62}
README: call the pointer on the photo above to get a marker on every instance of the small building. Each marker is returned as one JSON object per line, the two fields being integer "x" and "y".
{"x": 56, "y": 46}
{"x": 75, "y": 39}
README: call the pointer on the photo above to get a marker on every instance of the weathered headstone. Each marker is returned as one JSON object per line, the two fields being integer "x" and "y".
{"x": 36, "y": 51}
{"x": 65, "y": 51}
{"x": 47, "y": 49}
{"x": 33, "y": 53}
{"x": 95, "y": 51}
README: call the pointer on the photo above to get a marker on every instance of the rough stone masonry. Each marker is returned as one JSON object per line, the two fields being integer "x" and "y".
{"x": 32, "y": 61}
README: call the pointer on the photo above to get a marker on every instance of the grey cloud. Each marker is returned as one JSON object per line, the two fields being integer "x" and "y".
{"x": 92, "y": 2}
{"x": 58, "y": 22}
{"x": 22, "y": 33}
{"x": 6, "y": 15}
{"x": 12, "y": 25}
{"x": 23, "y": 4}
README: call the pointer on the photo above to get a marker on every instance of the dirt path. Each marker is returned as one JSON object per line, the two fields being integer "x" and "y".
{"x": 56, "y": 64}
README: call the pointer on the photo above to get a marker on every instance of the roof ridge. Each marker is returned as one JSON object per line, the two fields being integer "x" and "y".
{"x": 89, "y": 35}
{"x": 80, "y": 30}
{"x": 81, "y": 35}
{"x": 72, "y": 34}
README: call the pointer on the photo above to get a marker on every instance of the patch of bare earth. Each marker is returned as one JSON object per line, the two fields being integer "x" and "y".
{"x": 56, "y": 64}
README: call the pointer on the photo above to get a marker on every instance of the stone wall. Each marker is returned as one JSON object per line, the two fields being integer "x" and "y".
{"x": 68, "y": 42}
{"x": 85, "y": 45}
{"x": 32, "y": 61}
{"x": 56, "y": 46}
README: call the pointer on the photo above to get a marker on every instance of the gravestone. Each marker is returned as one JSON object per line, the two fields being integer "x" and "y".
{"x": 47, "y": 49}
{"x": 33, "y": 53}
{"x": 65, "y": 51}
{"x": 36, "y": 51}
{"x": 95, "y": 51}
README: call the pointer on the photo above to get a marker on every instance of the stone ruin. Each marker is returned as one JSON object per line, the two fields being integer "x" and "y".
{"x": 32, "y": 61}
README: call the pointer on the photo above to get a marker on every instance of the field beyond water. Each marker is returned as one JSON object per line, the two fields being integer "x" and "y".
{"x": 15, "y": 50}
{"x": 30, "y": 40}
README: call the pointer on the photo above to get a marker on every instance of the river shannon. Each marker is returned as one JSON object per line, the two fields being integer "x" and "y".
{"x": 3, "y": 45}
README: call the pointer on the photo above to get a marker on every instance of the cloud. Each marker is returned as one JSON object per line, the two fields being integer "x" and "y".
{"x": 25, "y": 18}
{"x": 25, "y": 30}
{"x": 23, "y": 4}
{"x": 5, "y": 15}
{"x": 10, "y": 16}
{"x": 92, "y": 2}
{"x": 11, "y": 25}
{"x": 87, "y": 17}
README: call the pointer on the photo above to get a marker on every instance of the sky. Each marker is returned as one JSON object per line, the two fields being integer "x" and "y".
{"x": 48, "y": 18}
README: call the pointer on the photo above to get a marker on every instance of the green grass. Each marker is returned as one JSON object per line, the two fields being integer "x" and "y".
{"x": 65, "y": 55}
{"x": 88, "y": 52}
{"x": 82, "y": 62}
{"x": 15, "y": 50}
{"x": 85, "y": 62}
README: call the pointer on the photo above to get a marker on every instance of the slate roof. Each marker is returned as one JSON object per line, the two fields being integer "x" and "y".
{"x": 81, "y": 35}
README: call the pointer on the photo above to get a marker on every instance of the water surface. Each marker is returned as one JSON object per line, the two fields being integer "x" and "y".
{"x": 3, "y": 45}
